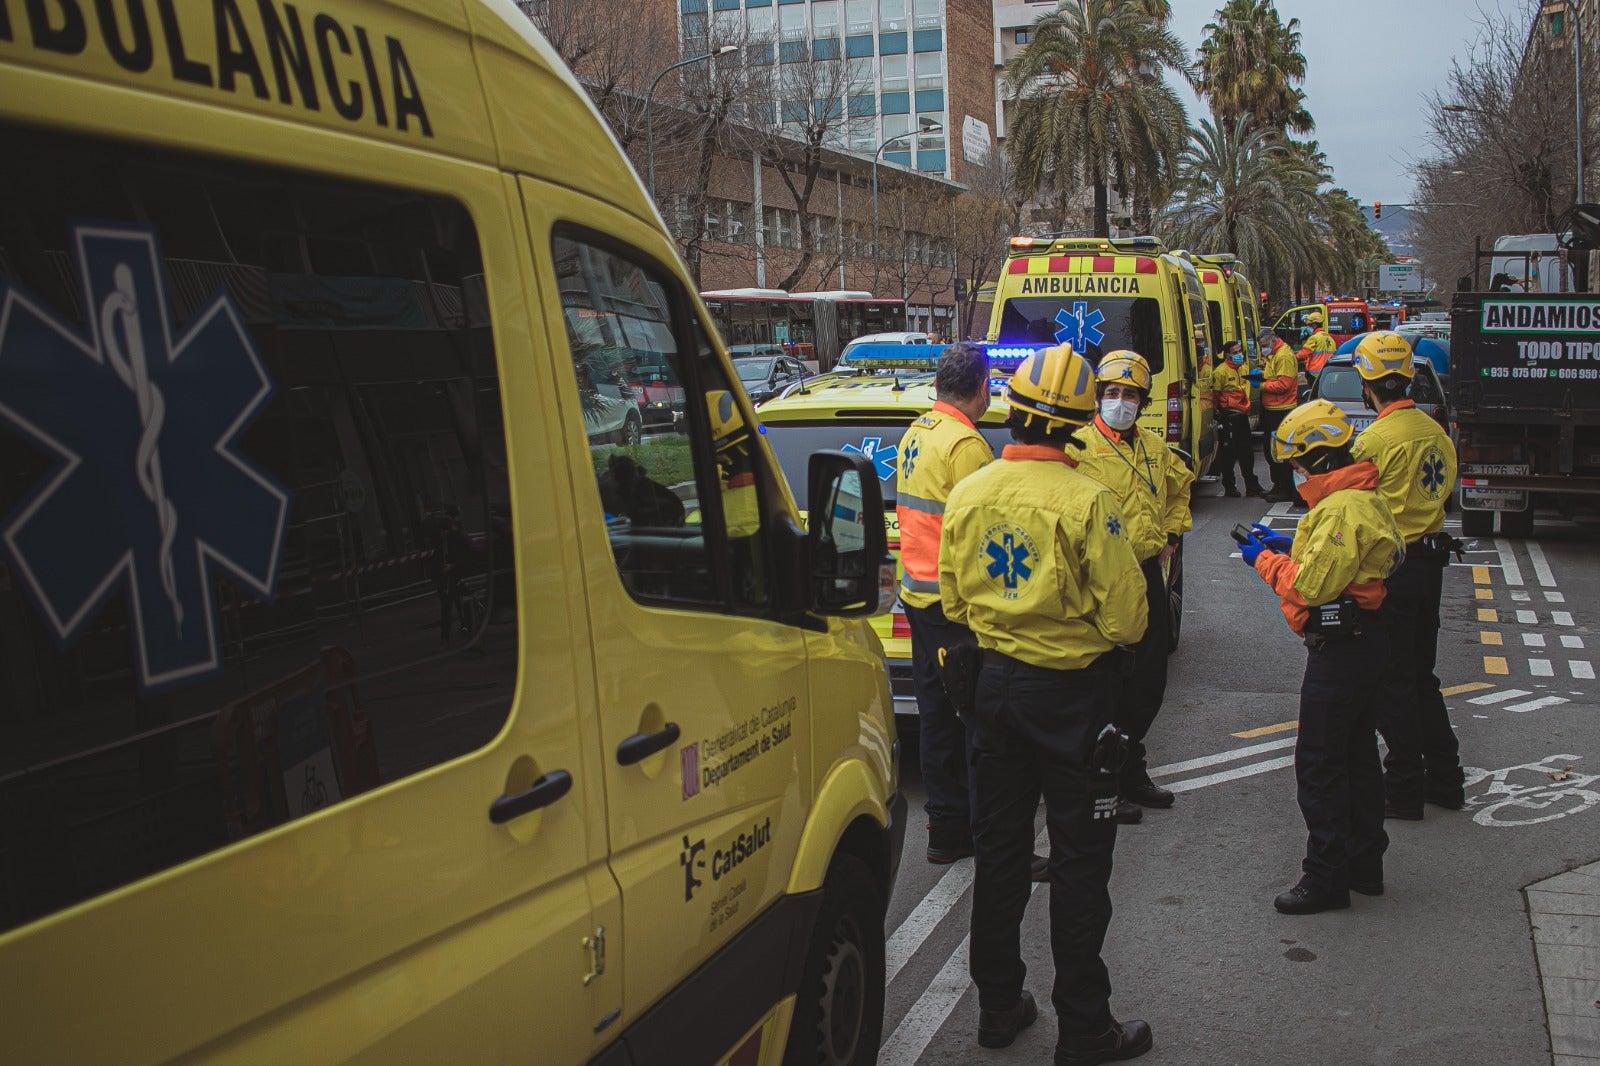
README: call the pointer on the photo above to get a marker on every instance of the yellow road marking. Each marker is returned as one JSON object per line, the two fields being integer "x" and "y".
{"x": 1484, "y": 594}
{"x": 1495, "y": 664}
{"x": 1489, "y": 636}
{"x": 1470, "y": 686}
{"x": 1480, "y": 575}
{"x": 1488, "y": 614}
{"x": 1266, "y": 730}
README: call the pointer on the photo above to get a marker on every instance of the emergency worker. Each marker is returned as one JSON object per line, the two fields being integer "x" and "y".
{"x": 1313, "y": 354}
{"x": 941, "y": 448}
{"x": 1329, "y": 580}
{"x": 1230, "y": 383}
{"x": 1416, "y": 473}
{"x": 1035, "y": 559}
{"x": 1280, "y": 390}
{"x": 1152, "y": 486}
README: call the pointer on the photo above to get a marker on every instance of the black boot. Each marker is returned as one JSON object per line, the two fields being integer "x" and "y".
{"x": 947, "y": 843}
{"x": 998, "y": 1028}
{"x": 1306, "y": 898}
{"x": 1124, "y": 1040}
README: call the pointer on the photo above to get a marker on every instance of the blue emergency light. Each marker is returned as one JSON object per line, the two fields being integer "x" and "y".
{"x": 924, "y": 358}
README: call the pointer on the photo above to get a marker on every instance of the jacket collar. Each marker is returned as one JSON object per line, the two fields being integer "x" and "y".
{"x": 1126, "y": 436}
{"x": 1396, "y": 406}
{"x": 1318, "y": 487}
{"x": 954, "y": 412}
{"x": 1041, "y": 453}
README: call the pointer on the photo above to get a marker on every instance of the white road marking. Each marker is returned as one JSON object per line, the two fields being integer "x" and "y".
{"x": 1534, "y": 705}
{"x": 1555, "y": 597}
{"x": 1561, "y": 618}
{"x": 1541, "y": 565}
{"x": 1520, "y": 597}
{"x": 1499, "y": 697}
{"x": 1230, "y": 775}
{"x": 1581, "y": 669}
{"x": 1533, "y": 640}
{"x": 938, "y": 903}
{"x": 1226, "y": 756}
{"x": 1508, "y": 562}
{"x": 1483, "y": 716}
{"x": 929, "y": 1013}
{"x": 1568, "y": 640}
{"x": 1541, "y": 668}
{"x": 1528, "y": 618}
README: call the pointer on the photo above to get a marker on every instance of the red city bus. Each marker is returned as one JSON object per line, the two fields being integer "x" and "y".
{"x": 812, "y": 326}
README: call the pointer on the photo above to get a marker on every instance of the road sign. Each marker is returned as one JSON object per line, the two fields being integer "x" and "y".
{"x": 1399, "y": 277}
{"x": 975, "y": 141}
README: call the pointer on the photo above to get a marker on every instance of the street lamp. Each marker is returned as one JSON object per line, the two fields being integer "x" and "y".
{"x": 649, "y": 116}
{"x": 927, "y": 125}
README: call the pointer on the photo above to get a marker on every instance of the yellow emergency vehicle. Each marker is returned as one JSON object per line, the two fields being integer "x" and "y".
{"x": 1231, "y": 310}
{"x": 1100, "y": 294}
{"x": 367, "y": 694}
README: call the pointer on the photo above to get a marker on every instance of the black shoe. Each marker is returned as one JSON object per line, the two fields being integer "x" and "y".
{"x": 1149, "y": 795}
{"x": 1276, "y": 496}
{"x": 1128, "y": 813}
{"x": 1367, "y": 888}
{"x": 1229, "y": 492}
{"x": 1404, "y": 814}
{"x": 1450, "y": 801}
{"x": 998, "y": 1028}
{"x": 947, "y": 844}
{"x": 1256, "y": 490}
{"x": 1308, "y": 899}
{"x": 1041, "y": 869}
{"x": 1124, "y": 1040}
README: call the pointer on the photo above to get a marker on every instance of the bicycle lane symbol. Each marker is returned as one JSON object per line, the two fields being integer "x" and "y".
{"x": 1543, "y": 791}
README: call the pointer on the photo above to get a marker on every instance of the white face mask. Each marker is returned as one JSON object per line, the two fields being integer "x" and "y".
{"x": 1300, "y": 478}
{"x": 1119, "y": 414}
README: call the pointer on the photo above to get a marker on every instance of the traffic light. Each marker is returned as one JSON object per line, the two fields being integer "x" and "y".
{"x": 1377, "y": 210}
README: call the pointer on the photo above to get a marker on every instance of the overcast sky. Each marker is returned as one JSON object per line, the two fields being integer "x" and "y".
{"x": 1369, "y": 63}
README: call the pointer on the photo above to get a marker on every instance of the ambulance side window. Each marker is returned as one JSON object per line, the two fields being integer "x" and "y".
{"x": 280, "y": 573}
{"x": 673, "y": 459}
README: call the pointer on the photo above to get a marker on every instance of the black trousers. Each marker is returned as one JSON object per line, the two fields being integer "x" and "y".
{"x": 1034, "y": 732}
{"x": 1236, "y": 451}
{"x": 1424, "y": 757}
{"x": 1282, "y": 473}
{"x": 1142, "y": 693}
{"x": 942, "y": 740}
{"x": 1338, "y": 777}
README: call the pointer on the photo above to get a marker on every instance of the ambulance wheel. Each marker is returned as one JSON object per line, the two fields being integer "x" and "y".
{"x": 1477, "y": 523}
{"x": 838, "y": 1009}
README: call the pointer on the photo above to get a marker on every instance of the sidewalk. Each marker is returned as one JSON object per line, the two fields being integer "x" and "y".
{"x": 1564, "y": 912}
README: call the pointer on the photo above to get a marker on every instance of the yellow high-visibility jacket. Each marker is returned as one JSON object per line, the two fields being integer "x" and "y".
{"x": 1231, "y": 387}
{"x": 1149, "y": 480}
{"x": 1416, "y": 467}
{"x": 1035, "y": 561}
{"x": 1345, "y": 545}
{"x": 1280, "y": 379}
{"x": 939, "y": 449}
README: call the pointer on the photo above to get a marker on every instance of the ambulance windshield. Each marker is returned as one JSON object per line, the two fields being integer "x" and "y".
{"x": 1094, "y": 326}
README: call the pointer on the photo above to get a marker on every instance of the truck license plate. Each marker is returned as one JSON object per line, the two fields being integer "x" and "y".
{"x": 1493, "y": 468}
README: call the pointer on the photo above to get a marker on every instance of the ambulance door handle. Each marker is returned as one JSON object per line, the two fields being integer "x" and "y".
{"x": 545, "y": 791}
{"x": 641, "y": 746}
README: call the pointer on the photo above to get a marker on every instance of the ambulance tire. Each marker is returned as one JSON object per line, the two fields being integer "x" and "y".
{"x": 1477, "y": 523}
{"x": 838, "y": 1010}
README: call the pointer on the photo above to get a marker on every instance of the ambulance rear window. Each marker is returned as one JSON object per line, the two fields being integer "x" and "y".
{"x": 1094, "y": 326}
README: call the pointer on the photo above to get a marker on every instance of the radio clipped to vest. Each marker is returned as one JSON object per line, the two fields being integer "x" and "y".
{"x": 1336, "y": 618}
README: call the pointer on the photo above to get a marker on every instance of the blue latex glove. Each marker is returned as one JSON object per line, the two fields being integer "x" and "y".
{"x": 1252, "y": 550}
{"x": 1255, "y": 375}
{"x": 1275, "y": 541}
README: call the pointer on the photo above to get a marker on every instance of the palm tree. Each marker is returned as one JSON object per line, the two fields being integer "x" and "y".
{"x": 1250, "y": 62}
{"x": 1091, "y": 103}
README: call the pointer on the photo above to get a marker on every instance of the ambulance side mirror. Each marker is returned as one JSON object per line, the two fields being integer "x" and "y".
{"x": 850, "y": 570}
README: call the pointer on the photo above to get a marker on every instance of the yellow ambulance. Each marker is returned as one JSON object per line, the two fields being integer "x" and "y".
{"x": 1102, "y": 294}
{"x": 375, "y": 684}
{"x": 1231, "y": 310}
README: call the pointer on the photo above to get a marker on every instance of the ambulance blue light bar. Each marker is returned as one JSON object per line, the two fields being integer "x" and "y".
{"x": 924, "y": 358}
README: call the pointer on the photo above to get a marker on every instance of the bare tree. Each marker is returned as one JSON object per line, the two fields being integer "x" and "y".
{"x": 982, "y": 220}
{"x": 613, "y": 49}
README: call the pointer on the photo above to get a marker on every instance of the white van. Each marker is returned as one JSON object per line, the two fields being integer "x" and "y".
{"x": 1530, "y": 263}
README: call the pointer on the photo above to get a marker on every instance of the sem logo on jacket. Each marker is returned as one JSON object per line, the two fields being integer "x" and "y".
{"x": 1008, "y": 558}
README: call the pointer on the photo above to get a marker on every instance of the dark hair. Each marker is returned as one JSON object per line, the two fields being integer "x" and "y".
{"x": 1040, "y": 432}
{"x": 1390, "y": 387}
{"x": 1322, "y": 460}
{"x": 963, "y": 372}
{"x": 1229, "y": 347}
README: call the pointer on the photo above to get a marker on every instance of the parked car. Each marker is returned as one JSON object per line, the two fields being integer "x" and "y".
{"x": 883, "y": 338}
{"x": 660, "y": 399}
{"x": 753, "y": 351}
{"x": 765, "y": 377}
{"x": 1341, "y": 383}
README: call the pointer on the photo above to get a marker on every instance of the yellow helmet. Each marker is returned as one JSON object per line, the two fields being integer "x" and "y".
{"x": 1056, "y": 384}
{"x": 1124, "y": 368}
{"x": 1383, "y": 352}
{"x": 1313, "y": 425}
{"x": 1316, "y": 317}
{"x": 727, "y": 424}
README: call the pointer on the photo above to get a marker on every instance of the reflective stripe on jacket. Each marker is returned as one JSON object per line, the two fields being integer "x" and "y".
{"x": 1345, "y": 545}
{"x": 1231, "y": 387}
{"x": 939, "y": 449}
{"x": 1280, "y": 379}
{"x": 1150, "y": 482}
{"x": 1035, "y": 560}
{"x": 1416, "y": 467}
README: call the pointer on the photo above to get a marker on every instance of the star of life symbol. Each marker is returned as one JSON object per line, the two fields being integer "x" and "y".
{"x": 882, "y": 457}
{"x": 147, "y": 489}
{"x": 908, "y": 461}
{"x": 1431, "y": 473}
{"x": 1114, "y": 525}
{"x": 1080, "y": 326}
{"x": 1008, "y": 551}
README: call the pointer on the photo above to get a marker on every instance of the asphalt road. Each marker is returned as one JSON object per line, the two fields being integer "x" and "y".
{"x": 1441, "y": 966}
